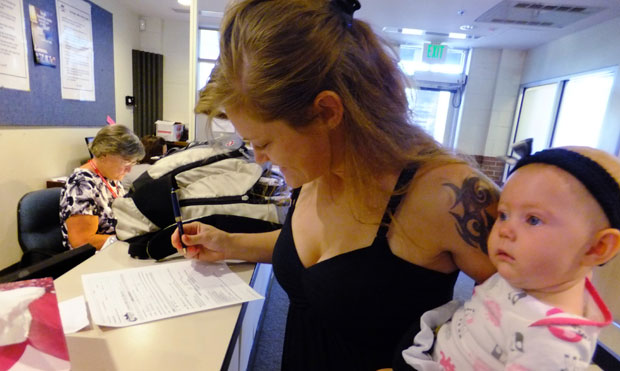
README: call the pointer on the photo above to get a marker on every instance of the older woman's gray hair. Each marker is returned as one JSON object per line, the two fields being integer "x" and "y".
{"x": 117, "y": 140}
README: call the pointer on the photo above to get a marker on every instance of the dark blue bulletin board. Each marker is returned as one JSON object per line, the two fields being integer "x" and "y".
{"x": 43, "y": 104}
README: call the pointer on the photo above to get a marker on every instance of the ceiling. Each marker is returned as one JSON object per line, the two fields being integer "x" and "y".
{"x": 440, "y": 17}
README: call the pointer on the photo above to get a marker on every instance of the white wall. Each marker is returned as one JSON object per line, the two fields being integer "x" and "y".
{"x": 477, "y": 101}
{"x": 588, "y": 50}
{"x": 489, "y": 101}
{"x": 150, "y": 38}
{"x": 170, "y": 38}
{"x": 505, "y": 97}
{"x": 30, "y": 156}
{"x": 175, "y": 43}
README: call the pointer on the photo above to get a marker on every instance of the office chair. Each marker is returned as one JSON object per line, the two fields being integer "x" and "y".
{"x": 521, "y": 149}
{"x": 38, "y": 225}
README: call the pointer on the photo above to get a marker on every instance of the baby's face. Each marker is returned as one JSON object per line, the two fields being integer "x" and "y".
{"x": 546, "y": 223}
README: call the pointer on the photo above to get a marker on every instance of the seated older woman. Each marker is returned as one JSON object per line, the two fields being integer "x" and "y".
{"x": 86, "y": 200}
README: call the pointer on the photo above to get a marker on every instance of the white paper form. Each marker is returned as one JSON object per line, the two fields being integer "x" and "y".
{"x": 75, "y": 37}
{"x": 13, "y": 47}
{"x": 132, "y": 296}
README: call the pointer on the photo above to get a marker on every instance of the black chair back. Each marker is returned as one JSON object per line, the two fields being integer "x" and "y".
{"x": 38, "y": 225}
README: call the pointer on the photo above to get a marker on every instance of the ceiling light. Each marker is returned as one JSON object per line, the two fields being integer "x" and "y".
{"x": 416, "y": 32}
{"x": 466, "y": 27}
{"x": 209, "y": 13}
{"x": 456, "y": 35}
{"x": 412, "y": 31}
{"x": 185, "y": 2}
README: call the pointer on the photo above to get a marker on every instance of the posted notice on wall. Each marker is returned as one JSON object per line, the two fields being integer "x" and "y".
{"x": 75, "y": 38}
{"x": 43, "y": 29}
{"x": 137, "y": 295}
{"x": 13, "y": 47}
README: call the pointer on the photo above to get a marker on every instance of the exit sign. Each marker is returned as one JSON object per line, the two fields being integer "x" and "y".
{"x": 434, "y": 53}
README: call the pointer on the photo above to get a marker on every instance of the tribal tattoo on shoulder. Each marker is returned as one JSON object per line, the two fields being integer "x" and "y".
{"x": 473, "y": 222}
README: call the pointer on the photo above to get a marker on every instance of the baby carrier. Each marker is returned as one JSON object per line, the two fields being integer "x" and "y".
{"x": 217, "y": 183}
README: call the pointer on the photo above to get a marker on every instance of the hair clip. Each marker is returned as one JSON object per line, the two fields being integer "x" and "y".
{"x": 522, "y": 149}
{"x": 347, "y": 8}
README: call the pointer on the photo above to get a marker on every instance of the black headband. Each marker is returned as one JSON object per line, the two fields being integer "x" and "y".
{"x": 601, "y": 185}
{"x": 346, "y": 8}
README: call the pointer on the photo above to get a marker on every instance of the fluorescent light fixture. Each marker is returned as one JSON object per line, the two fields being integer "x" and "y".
{"x": 185, "y": 2}
{"x": 456, "y": 35}
{"x": 466, "y": 27}
{"x": 412, "y": 31}
{"x": 209, "y": 13}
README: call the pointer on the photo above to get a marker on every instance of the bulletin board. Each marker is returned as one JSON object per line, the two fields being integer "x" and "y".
{"x": 43, "y": 104}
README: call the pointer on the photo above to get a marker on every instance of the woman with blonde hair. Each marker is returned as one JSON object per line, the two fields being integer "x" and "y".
{"x": 86, "y": 200}
{"x": 383, "y": 217}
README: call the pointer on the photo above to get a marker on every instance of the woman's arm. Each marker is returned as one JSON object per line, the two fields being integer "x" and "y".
{"x": 469, "y": 218}
{"x": 472, "y": 216}
{"x": 208, "y": 243}
{"x": 82, "y": 229}
{"x": 446, "y": 220}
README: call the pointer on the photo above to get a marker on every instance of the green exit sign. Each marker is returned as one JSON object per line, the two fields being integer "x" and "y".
{"x": 434, "y": 53}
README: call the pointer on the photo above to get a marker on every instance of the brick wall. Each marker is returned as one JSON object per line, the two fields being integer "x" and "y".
{"x": 491, "y": 167}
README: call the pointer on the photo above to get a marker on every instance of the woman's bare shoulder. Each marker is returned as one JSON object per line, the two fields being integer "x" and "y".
{"x": 450, "y": 177}
{"x": 451, "y": 195}
{"x": 456, "y": 172}
{"x": 447, "y": 214}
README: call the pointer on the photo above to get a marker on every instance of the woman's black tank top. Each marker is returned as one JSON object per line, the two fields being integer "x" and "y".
{"x": 350, "y": 311}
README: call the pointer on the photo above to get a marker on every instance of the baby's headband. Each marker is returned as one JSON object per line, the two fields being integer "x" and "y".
{"x": 601, "y": 185}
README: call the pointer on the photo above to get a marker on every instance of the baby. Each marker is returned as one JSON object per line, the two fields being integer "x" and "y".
{"x": 558, "y": 217}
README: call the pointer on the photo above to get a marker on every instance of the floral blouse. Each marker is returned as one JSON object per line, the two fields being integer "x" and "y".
{"x": 85, "y": 193}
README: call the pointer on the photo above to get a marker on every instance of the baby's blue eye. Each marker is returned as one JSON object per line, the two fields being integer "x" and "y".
{"x": 532, "y": 220}
{"x": 502, "y": 216}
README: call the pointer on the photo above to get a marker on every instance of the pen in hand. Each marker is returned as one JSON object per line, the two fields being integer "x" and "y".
{"x": 176, "y": 209}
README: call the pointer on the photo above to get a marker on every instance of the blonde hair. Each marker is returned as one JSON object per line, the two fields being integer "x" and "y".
{"x": 117, "y": 140}
{"x": 277, "y": 55}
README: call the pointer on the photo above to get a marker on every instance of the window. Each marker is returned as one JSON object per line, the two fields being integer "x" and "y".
{"x": 208, "y": 51}
{"x": 583, "y": 106}
{"x": 537, "y": 115}
{"x": 567, "y": 111}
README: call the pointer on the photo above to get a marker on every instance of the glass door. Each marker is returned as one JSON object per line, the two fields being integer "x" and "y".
{"x": 433, "y": 111}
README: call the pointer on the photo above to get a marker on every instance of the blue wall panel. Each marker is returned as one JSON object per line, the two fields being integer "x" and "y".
{"x": 43, "y": 104}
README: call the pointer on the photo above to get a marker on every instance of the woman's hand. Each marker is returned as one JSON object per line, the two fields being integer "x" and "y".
{"x": 203, "y": 242}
